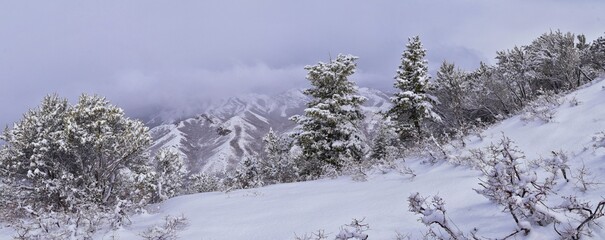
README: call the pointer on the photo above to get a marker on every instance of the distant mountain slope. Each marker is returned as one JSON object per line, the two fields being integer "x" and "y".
{"x": 228, "y": 131}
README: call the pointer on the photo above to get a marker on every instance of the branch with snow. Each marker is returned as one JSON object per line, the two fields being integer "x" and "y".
{"x": 167, "y": 231}
{"x": 433, "y": 213}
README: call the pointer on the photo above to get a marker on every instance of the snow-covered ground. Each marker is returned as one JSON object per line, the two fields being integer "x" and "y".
{"x": 286, "y": 210}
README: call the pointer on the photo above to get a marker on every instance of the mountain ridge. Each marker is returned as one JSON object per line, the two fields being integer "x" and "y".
{"x": 229, "y": 130}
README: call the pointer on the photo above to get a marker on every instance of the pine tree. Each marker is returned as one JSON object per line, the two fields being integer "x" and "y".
{"x": 328, "y": 132}
{"x": 412, "y": 105}
{"x": 384, "y": 144}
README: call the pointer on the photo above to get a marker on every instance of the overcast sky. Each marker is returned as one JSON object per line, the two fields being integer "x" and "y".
{"x": 146, "y": 55}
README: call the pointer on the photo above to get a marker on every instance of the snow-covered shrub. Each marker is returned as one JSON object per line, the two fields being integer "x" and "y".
{"x": 354, "y": 230}
{"x": 63, "y": 225}
{"x": 168, "y": 230}
{"x": 584, "y": 178}
{"x": 169, "y": 176}
{"x": 277, "y": 164}
{"x": 434, "y": 213}
{"x": 585, "y": 217}
{"x": 515, "y": 188}
{"x": 476, "y": 159}
{"x": 319, "y": 235}
{"x": 61, "y": 157}
{"x": 247, "y": 174}
{"x": 598, "y": 140}
{"x": 543, "y": 108}
{"x": 557, "y": 162}
{"x": 573, "y": 101}
{"x": 200, "y": 182}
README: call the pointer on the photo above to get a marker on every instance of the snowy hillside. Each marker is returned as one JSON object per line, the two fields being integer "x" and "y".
{"x": 230, "y": 130}
{"x": 286, "y": 210}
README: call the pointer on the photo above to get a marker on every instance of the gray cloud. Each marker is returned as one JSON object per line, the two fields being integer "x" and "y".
{"x": 150, "y": 55}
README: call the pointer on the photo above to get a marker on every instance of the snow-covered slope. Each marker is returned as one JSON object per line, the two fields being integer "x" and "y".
{"x": 229, "y": 131}
{"x": 281, "y": 211}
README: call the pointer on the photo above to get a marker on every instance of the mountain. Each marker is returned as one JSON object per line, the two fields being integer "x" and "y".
{"x": 230, "y": 130}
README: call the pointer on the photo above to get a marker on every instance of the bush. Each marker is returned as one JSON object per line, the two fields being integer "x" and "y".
{"x": 199, "y": 183}
{"x": 514, "y": 187}
{"x": 167, "y": 231}
{"x": 543, "y": 108}
{"x": 71, "y": 158}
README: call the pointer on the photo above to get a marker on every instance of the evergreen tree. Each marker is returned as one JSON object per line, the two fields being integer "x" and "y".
{"x": 328, "y": 133}
{"x": 412, "y": 105}
{"x": 383, "y": 145}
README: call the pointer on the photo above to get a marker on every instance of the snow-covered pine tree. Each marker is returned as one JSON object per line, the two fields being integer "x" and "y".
{"x": 277, "y": 165}
{"x": 170, "y": 173}
{"x": 384, "y": 144}
{"x": 328, "y": 133}
{"x": 411, "y": 104}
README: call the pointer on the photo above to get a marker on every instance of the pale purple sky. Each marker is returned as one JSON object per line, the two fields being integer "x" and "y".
{"x": 145, "y": 55}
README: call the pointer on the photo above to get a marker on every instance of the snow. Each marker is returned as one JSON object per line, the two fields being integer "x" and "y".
{"x": 281, "y": 211}
{"x": 285, "y": 210}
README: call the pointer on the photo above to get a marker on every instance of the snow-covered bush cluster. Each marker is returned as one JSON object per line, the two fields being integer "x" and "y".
{"x": 514, "y": 187}
{"x": 520, "y": 193}
{"x": 61, "y": 157}
{"x": 354, "y": 231}
{"x": 542, "y": 108}
{"x": 168, "y": 230}
{"x": 200, "y": 182}
{"x": 71, "y": 169}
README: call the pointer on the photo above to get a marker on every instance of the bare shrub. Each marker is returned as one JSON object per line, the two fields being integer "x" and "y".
{"x": 167, "y": 231}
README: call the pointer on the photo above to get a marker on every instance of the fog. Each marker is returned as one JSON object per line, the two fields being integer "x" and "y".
{"x": 148, "y": 56}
